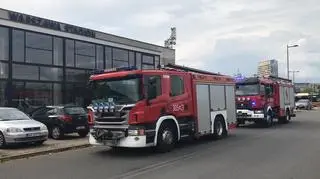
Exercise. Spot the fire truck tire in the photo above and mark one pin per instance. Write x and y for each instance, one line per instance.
(219, 128)
(167, 137)
(285, 119)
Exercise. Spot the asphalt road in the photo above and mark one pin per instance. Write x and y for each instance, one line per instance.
(288, 151)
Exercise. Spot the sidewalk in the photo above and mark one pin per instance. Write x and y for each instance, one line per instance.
(50, 146)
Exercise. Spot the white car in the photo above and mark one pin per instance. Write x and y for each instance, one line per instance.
(17, 127)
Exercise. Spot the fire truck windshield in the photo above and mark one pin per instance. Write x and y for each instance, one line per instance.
(120, 90)
(247, 89)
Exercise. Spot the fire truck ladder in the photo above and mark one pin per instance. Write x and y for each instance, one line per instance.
(171, 66)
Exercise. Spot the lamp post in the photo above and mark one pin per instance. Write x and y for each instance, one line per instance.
(293, 74)
(289, 46)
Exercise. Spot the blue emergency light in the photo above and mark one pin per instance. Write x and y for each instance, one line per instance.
(100, 71)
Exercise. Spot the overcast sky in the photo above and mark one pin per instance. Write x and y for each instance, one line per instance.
(217, 35)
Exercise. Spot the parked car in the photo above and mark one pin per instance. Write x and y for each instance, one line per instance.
(62, 120)
(18, 127)
(304, 104)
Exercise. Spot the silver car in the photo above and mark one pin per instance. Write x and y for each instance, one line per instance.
(17, 127)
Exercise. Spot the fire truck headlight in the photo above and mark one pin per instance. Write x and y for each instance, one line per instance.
(136, 132)
(243, 99)
(248, 99)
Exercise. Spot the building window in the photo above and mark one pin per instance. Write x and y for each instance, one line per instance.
(38, 56)
(76, 94)
(57, 94)
(3, 70)
(85, 62)
(156, 61)
(132, 61)
(38, 48)
(100, 62)
(38, 94)
(25, 72)
(3, 95)
(75, 75)
(4, 43)
(117, 63)
(108, 57)
(18, 46)
(70, 53)
(147, 67)
(138, 60)
(177, 85)
(147, 59)
(120, 54)
(58, 51)
(38, 41)
(85, 55)
(30, 95)
(51, 74)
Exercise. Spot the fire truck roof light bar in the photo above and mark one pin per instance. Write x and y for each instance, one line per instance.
(96, 72)
(188, 69)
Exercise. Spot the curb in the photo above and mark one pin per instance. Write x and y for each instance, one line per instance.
(33, 154)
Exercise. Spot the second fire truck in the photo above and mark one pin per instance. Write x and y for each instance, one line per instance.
(264, 99)
(144, 108)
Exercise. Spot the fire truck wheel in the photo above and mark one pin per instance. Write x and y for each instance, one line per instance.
(219, 128)
(167, 137)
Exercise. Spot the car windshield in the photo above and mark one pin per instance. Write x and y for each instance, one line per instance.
(12, 115)
(74, 110)
(247, 89)
(120, 91)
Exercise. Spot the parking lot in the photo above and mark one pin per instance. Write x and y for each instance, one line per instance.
(282, 151)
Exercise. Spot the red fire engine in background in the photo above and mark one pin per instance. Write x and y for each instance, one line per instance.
(144, 108)
(263, 99)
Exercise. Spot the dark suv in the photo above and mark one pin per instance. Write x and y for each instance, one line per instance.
(62, 120)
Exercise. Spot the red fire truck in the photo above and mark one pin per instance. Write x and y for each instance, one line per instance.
(143, 108)
(263, 99)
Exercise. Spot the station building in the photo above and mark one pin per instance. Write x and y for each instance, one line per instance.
(45, 62)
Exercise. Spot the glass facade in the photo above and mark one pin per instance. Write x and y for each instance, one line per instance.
(38, 69)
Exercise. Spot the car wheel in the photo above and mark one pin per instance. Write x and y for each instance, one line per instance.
(83, 133)
(2, 141)
(56, 133)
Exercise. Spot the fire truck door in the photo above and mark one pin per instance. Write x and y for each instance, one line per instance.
(203, 107)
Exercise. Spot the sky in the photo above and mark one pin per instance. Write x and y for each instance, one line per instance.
(223, 36)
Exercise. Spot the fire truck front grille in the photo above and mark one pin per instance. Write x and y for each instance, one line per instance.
(112, 117)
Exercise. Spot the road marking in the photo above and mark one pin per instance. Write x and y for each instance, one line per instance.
(155, 166)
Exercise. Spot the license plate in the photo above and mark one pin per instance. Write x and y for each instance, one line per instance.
(33, 134)
(80, 127)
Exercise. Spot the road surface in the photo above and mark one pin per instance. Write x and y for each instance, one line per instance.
(289, 151)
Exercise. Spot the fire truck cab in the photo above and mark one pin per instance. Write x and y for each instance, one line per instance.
(264, 99)
(144, 108)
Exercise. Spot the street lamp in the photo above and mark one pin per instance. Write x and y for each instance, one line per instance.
(289, 46)
(293, 74)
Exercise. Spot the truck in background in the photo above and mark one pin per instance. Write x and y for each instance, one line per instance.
(263, 99)
(157, 108)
